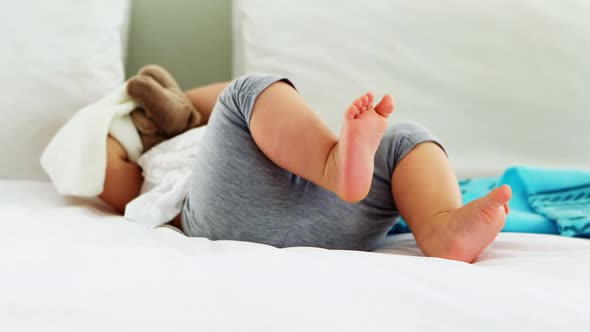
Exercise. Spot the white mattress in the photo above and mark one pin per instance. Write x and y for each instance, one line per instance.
(71, 265)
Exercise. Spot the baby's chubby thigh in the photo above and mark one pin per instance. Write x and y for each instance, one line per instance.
(236, 192)
(326, 221)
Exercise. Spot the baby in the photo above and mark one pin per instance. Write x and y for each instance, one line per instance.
(271, 172)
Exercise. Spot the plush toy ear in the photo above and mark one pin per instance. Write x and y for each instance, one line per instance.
(165, 111)
(194, 120)
(160, 75)
(145, 90)
(169, 109)
(165, 79)
(143, 124)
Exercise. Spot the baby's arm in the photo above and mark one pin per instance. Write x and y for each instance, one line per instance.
(123, 178)
(205, 97)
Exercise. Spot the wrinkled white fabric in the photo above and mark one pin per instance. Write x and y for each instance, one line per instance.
(166, 170)
(76, 157)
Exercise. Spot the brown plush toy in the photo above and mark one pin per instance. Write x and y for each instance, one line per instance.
(165, 111)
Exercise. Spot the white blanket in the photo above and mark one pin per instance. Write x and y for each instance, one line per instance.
(166, 171)
(75, 159)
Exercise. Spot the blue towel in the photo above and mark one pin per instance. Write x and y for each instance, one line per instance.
(547, 201)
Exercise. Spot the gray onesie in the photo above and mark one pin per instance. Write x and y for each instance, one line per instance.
(237, 193)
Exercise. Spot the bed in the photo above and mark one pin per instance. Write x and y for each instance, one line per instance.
(71, 264)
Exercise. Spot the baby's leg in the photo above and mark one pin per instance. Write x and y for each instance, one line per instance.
(427, 196)
(291, 135)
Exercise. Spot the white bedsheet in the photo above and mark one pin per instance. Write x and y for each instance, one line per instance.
(71, 265)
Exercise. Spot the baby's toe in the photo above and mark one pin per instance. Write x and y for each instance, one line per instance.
(358, 103)
(365, 100)
(371, 97)
(351, 112)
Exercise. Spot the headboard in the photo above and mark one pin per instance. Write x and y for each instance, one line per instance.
(192, 39)
(501, 82)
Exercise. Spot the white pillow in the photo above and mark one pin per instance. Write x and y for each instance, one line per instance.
(56, 57)
(501, 82)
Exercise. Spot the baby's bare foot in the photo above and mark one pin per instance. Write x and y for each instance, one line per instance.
(472, 227)
(354, 155)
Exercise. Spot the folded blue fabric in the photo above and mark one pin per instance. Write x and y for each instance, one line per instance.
(548, 201)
